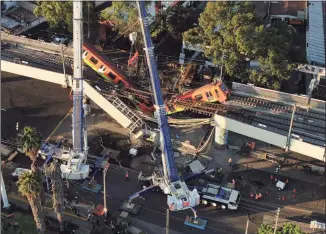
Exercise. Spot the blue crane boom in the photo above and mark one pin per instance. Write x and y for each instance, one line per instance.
(165, 136)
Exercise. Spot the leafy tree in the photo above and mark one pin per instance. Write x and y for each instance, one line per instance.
(224, 34)
(265, 229)
(291, 228)
(123, 14)
(29, 140)
(274, 61)
(287, 228)
(54, 173)
(30, 185)
(228, 34)
(59, 14)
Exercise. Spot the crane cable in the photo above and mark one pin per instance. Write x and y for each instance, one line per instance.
(199, 150)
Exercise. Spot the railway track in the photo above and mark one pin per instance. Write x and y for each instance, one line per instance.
(277, 108)
(310, 125)
(277, 124)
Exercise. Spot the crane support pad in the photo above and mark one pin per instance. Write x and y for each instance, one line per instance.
(196, 223)
(93, 186)
(129, 207)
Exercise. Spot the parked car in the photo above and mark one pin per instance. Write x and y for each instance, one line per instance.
(61, 40)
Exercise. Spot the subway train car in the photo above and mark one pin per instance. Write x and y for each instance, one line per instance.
(110, 72)
(214, 92)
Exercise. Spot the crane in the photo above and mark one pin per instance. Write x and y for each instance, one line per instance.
(76, 167)
(179, 197)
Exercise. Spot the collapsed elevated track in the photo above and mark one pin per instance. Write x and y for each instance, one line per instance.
(273, 117)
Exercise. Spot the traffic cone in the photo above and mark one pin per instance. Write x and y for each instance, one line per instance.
(283, 198)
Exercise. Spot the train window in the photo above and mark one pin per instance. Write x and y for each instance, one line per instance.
(111, 75)
(199, 97)
(223, 87)
(209, 95)
(103, 68)
(94, 60)
(85, 53)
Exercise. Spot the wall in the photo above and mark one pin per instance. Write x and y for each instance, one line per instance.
(309, 150)
(27, 5)
(36, 45)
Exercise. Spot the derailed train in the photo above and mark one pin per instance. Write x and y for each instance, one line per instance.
(213, 92)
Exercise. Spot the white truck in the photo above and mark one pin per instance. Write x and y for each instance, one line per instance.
(216, 195)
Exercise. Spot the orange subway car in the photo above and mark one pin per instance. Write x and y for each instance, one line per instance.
(214, 92)
(104, 68)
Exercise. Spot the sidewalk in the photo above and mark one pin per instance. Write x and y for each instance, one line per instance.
(150, 228)
(80, 221)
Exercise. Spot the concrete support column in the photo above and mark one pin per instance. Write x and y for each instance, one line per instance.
(221, 137)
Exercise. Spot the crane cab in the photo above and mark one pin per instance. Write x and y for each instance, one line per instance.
(180, 197)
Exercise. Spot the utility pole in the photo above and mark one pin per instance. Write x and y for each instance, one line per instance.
(167, 224)
(4, 194)
(88, 32)
(288, 141)
(247, 226)
(104, 188)
(221, 74)
(276, 222)
(63, 64)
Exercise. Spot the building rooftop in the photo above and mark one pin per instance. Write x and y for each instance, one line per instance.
(316, 33)
(290, 9)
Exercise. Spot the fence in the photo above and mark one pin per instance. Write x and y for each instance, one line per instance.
(276, 95)
(37, 44)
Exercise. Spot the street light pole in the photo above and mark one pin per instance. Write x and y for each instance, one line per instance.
(88, 32)
(247, 226)
(167, 224)
(104, 188)
(288, 140)
(276, 222)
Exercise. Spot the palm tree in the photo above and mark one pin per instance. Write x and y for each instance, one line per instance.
(53, 171)
(29, 141)
(30, 185)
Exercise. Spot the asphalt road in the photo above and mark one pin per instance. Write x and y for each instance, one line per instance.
(154, 207)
